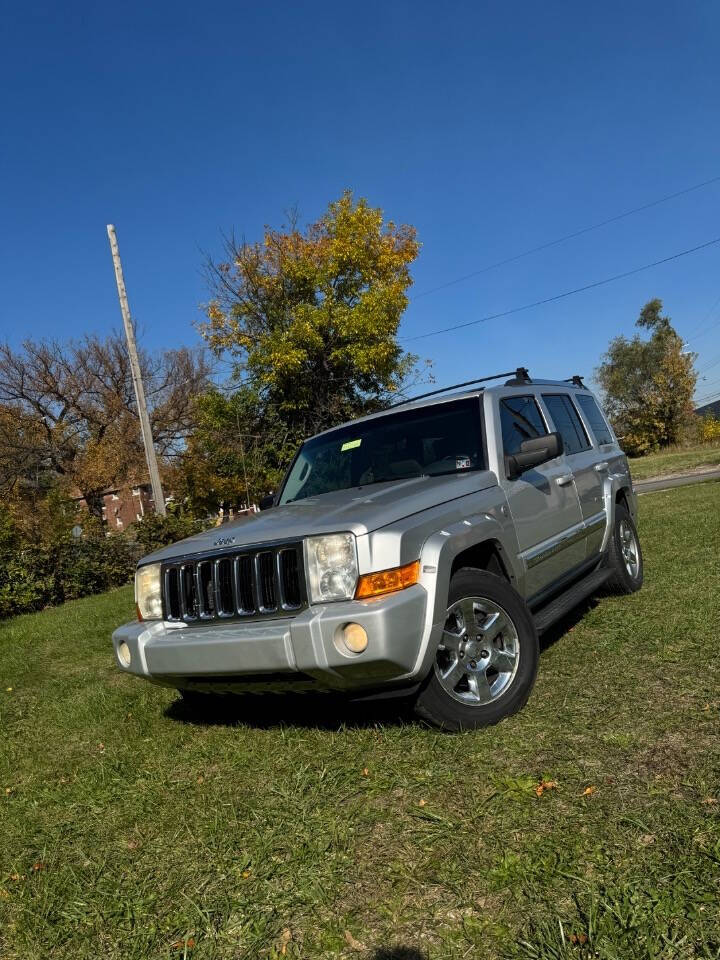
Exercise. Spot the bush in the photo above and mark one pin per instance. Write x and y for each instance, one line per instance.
(33, 577)
(710, 429)
(153, 531)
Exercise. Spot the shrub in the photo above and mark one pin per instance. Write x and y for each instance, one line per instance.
(32, 576)
(153, 531)
(710, 429)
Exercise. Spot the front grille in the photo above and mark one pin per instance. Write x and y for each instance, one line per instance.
(260, 583)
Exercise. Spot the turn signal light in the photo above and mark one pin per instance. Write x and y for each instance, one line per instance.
(387, 581)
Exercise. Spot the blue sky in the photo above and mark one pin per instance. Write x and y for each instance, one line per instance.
(490, 127)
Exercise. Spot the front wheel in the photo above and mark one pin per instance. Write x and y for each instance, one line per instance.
(625, 557)
(487, 658)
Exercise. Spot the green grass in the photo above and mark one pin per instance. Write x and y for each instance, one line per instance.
(129, 828)
(675, 460)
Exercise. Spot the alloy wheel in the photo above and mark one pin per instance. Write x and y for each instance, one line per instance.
(479, 652)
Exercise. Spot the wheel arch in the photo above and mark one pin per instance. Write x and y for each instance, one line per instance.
(486, 555)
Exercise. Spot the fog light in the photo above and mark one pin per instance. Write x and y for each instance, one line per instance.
(123, 652)
(354, 637)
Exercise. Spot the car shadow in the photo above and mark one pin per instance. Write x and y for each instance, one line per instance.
(397, 953)
(311, 711)
(567, 623)
(327, 711)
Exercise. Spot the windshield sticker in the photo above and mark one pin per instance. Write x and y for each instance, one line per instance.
(462, 463)
(350, 445)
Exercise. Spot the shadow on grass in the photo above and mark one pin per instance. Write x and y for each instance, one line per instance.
(567, 623)
(397, 953)
(327, 711)
(311, 710)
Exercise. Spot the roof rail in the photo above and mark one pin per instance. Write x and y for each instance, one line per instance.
(520, 374)
(576, 379)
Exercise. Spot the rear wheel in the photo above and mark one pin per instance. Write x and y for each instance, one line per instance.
(486, 661)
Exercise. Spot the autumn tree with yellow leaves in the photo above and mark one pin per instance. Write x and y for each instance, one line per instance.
(309, 319)
(648, 384)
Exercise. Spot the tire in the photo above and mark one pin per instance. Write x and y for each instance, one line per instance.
(627, 576)
(478, 682)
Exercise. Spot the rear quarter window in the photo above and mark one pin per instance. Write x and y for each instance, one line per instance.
(594, 416)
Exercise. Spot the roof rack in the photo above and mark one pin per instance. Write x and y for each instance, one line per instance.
(576, 379)
(521, 375)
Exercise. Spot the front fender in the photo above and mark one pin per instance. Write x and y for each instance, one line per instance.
(438, 555)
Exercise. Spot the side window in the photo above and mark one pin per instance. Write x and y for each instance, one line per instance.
(594, 416)
(520, 419)
(567, 422)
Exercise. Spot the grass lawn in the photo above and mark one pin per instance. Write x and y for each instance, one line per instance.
(675, 460)
(131, 829)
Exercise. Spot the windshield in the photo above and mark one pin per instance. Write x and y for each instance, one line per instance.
(429, 441)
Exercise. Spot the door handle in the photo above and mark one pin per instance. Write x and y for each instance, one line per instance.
(564, 480)
(601, 467)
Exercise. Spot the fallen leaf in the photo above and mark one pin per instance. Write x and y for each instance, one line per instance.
(4, 893)
(545, 785)
(646, 839)
(285, 938)
(365, 772)
(588, 791)
(578, 938)
(201, 779)
(353, 943)
(421, 803)
(37, 867)
(16, 876)
(709, 801)
(133, 844)
(101, 747)
(9, 790)
(183, 944)
(246, 874)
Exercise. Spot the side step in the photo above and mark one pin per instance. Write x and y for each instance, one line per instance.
(560, 606)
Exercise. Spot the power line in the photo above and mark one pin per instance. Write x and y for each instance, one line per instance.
(708, 397)
(569, 236)
(698, 335)
(567, 293)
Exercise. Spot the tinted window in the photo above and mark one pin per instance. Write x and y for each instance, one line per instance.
(520, 419)
(594, 417)
(567, 422)
(439, 439)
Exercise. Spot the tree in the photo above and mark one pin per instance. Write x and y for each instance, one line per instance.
(233, 453)
(67, 413)
(648, 385)
(310, 318)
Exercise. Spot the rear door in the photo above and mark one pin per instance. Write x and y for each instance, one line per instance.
(543, 502)
(585, 464)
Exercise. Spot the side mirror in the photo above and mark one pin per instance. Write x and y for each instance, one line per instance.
(534, 452)
(267, 502)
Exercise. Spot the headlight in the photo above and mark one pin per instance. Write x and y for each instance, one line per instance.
(332, 567)
(148, 598)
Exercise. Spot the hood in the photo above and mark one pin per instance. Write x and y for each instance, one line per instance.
(359, 510)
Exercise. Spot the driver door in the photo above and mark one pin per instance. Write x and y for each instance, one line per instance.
(543, 501)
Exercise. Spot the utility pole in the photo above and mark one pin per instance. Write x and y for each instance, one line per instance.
(150, 456)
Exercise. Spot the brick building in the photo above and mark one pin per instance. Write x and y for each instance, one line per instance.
(123, 506)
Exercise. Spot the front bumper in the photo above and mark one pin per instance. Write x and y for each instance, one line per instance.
(298, 653)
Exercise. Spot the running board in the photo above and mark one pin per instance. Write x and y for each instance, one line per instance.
(562, 605)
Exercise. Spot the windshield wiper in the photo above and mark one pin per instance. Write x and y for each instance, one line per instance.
(412, 476)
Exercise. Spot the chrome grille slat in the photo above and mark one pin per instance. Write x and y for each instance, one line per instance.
(240, 584)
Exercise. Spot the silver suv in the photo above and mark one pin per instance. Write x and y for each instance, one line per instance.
(422, 549)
